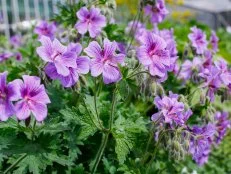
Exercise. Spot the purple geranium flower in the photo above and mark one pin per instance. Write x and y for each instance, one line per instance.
(198, 40)
(105, 60)
(55, 52)
(32, 98)
(171, 110)
(83, 64)
(212, 81)
(7, 95)
(225, 73)
(168, 36)
(153, 54)
(46, 29)
(222, 125)
(157, 13)
(201, 141)
(5, 56)
(208, 59)
(16, 41)
(189, 67)
(90, 20)
(214, 41)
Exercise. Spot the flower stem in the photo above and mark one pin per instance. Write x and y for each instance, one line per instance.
(95, 104)
(141, 72)
(105, 135)
(14, 164)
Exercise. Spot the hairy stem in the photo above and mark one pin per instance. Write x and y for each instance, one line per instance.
(95, 104)
(141, 72)
(14, 164)
(105, 135)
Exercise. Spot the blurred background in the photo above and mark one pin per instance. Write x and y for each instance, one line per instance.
(16, 15)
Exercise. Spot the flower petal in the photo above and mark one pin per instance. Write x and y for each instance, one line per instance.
(39, 110)
(83, 64)
(96, 67)
(22, 110)
(94, 50)
(111, 74)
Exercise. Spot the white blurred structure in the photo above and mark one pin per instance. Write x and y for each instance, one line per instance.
(21, 14)
(215, 13)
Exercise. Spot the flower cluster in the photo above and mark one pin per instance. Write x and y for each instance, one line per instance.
(29, 97)
(171, 111)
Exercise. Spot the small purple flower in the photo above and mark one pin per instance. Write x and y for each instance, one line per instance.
(208, 59)
(58, 54)
(214, 41)
(153, 54)
(201, 141)
(16, 41)
(32, 98)
(5, 56)
(82, 62)
(198, 40)
(222, 125)
(46, 29)
(105, 60)
(18, 56)
(212, 81)
(189, 67)
(7, 95)
(225, 74)
(90, 20)
(171, 110)
(157, 13)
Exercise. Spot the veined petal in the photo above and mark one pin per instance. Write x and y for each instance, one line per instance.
(111, 74)
(39, 110)
(83, 64)
(109, 48)
(96, 67)
(94, 50)
(82, 27)
(22, 110)
(62, 69)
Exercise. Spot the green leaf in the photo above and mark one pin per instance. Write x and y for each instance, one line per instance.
(85, 116)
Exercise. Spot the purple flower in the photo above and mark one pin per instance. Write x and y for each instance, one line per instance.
(153, 54)
(214, 41)
(157, 13)
(16, 41)
(212, 81)
(5, 56)
(222, 125)
(168, 36)
(171, 110)
(189, 67)
(198, 40)
(225, 74)
(7, 95)
(18, 56)
(58, 54)
(90, 20)
(105, 60)
(82, 62)
(32, 98)
(200, 143)
(46, 29)
(208, 59)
